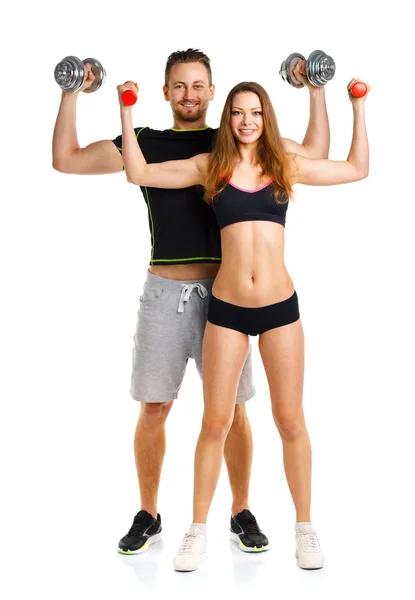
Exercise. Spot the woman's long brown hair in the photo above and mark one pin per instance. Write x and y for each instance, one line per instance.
(271, 156)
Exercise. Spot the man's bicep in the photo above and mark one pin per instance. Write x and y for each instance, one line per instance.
(98, 158)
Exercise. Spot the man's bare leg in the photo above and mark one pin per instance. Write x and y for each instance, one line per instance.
(149, 451)
(238, 458)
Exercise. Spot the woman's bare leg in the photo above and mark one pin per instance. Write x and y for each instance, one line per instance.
(224, 354)
(282, 352)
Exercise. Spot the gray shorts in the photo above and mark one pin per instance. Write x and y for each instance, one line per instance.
(170, 326)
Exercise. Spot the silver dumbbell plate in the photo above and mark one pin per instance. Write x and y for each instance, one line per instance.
(320, 68)
(99, 72)
(287, 68)
(70, 74)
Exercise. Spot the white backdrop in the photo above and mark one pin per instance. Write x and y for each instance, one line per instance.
(74, 255)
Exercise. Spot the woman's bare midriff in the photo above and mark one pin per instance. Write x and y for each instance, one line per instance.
(253, 273)
(186, 272)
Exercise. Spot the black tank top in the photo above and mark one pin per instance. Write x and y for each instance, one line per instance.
(233, 205)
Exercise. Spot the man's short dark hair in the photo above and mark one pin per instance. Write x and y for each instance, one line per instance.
(187, 56)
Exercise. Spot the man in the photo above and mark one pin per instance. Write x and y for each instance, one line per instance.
(185, 258)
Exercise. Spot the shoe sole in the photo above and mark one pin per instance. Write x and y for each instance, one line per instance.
(308, 567)
(235, 538)
(191, 570)
(154, 539)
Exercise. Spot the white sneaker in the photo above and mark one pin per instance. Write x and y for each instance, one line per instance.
(192, 552)
(308, 553)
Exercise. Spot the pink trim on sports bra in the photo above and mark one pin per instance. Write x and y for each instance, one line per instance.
(250, 191)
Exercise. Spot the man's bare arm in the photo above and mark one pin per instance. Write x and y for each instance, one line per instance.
(67, 155)
(316, 142)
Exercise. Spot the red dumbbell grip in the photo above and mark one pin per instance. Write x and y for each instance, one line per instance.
(359, 89)
(129, 97)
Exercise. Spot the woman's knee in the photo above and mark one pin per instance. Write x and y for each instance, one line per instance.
(216, 428)
(290, 427)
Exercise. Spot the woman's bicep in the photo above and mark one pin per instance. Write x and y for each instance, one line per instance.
(172, 174)
(323, 171)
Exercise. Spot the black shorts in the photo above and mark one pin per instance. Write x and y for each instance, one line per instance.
(253, 321)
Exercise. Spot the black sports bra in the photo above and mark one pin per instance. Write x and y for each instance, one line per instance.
(234, 205)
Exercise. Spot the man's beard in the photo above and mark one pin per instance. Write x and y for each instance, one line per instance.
(191, 116)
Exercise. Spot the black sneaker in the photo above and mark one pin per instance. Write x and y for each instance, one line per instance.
(145, 530)
(246, 533)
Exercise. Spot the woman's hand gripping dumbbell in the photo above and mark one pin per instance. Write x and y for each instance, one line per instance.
(357, 89)
(127, 93)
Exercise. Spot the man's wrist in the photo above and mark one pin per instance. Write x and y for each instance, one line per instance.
(69, 97)
(316, 92)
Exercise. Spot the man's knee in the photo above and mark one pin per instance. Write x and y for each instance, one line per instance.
(240, 417)
(154, 414)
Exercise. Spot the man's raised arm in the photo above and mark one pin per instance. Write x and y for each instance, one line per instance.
(67, 156)
(316, 141)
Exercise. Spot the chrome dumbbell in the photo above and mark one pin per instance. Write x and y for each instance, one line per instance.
(320, 69)
(70, 74)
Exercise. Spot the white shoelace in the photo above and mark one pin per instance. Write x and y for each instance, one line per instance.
(309, 541)
(189, 542)
(187, 289)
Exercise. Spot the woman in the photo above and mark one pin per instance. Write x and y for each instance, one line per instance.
(248, 179)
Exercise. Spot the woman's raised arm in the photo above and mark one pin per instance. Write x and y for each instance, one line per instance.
(330, 172)
(170, 174)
